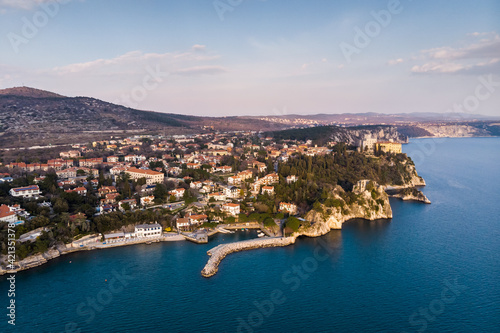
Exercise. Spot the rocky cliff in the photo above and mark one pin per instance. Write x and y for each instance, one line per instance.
(370, 204)
(409, 193)
(354, 135)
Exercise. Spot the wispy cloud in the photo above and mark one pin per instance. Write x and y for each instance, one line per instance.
(192, 62)
(477, 57)
(395, 61)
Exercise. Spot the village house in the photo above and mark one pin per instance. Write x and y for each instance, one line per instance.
(261, 167)
(7, 215)
(197, 219)
(90, 162)
(196, 185)
(269, 190)
(26, 192)
(240, 177)
(147, 200)
(79, 190)
(112, 159)
(135, 158)
(178, 193)
(106, 189)
(232, 192)
(70, 154)
(131, 202)
(289, 208)
(223, 169)
(110, 198)
(231, 209)
(291, 179)
(217, 196)
(193, 165)
(183, 223)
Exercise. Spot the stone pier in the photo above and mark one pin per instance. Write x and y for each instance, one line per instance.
(221, 251)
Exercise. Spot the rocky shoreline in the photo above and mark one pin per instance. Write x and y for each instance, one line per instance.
(408, 194)
(221, 251)
(62, 249)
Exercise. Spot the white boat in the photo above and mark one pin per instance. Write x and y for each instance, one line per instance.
(261, 234)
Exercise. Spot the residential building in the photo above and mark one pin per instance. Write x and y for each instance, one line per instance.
(112, 159)
(232, 192)
(231, 209)
(131, 202)
(26, 192)
(183, 223)
(80, 190)
(148, 200)
(110, 198)
(269, 190)
(152, 177)
(198, 219)
(178, 193)
(217, 196)
(7, 215)
(291, 179)
(70, 154)
(148, 230)
(223, 169)
(106, 190)
(289, 208)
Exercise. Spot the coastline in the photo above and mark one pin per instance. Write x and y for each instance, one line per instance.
(319, 225)
(63, 249)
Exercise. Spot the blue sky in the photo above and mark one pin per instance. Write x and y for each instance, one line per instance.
(257, 57)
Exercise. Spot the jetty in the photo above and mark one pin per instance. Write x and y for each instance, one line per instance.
(221, 251)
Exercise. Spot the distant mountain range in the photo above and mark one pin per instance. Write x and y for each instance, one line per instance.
(30, 116)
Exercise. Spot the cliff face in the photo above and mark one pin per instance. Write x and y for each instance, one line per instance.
(353, 136)
(369, 205)
(413, 179)
(409, 193)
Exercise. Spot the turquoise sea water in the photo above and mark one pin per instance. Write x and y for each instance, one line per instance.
(432, 268)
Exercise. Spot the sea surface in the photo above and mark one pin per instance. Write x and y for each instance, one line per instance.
(432, 268)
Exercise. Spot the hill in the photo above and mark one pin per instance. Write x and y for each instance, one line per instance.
(29, 92)
(30, 116)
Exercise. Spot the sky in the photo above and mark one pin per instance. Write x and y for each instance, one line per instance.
(258, 57)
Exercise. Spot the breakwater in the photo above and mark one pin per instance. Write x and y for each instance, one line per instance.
(221, 251)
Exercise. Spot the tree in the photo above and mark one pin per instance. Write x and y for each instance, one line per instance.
(293, 223)
(160, 193)
(60, 206)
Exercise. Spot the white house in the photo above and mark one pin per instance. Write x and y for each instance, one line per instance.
(7, 215)
(26, 192)
(177, 193)
(231, 209)
(289, 208)
(231, 191)
(291, 179)
(148, 230)
(148, 200)
(131, 202)
(269, 190)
